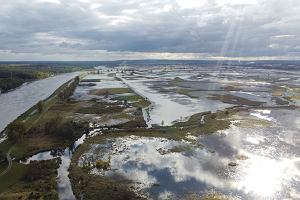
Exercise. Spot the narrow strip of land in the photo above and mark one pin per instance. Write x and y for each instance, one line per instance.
(8, 158)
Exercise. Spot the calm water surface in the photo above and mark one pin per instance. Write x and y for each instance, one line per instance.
(16, 102)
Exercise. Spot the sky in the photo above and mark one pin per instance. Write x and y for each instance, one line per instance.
(149, 29)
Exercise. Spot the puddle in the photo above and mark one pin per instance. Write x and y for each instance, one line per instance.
(48, 155)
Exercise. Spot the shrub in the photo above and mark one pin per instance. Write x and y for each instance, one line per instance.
(16, 131)
(40, 106)
(102, 164)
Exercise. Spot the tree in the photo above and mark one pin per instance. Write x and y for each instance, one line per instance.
(16, 131)
(2, 157)
(40, 106)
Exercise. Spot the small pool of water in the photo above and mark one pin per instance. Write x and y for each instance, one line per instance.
(47, 155)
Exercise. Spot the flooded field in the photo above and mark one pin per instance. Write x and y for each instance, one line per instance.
(182, 133)
(256, 157)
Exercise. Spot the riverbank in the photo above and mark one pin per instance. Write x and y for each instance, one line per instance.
(15, 103)
(60, 123)
(34, 138)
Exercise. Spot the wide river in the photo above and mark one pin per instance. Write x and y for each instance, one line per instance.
(16, 102)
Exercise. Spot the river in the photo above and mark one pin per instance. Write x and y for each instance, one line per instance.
(18, 101)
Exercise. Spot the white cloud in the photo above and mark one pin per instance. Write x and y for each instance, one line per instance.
(49, 1)
(192, 4)
(162, 29)
(237, 2)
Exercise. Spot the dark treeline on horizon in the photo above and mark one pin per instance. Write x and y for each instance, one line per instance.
(272, 64)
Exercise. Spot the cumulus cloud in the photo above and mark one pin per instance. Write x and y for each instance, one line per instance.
(133, 29)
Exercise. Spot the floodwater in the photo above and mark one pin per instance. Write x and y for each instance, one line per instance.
(258, 157)
(266, 161)
(168, 108)
(16, 102)
(47, 155)
(64, 187)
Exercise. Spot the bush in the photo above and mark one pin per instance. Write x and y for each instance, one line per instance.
(16, 131)
(69, 130)
(102, 164)
(40, 106)
(53, 124)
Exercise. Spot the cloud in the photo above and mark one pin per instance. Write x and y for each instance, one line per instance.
(80, 29)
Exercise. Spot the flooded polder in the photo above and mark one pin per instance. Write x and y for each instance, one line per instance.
(177, 133)
(256, 157)
(240, 162)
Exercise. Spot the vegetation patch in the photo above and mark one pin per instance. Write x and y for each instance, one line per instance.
(180, 148)
(207, 196)
(135, 100)
(13, 76)
(92, 187)
(176, 80)
(34, 181)
(101, 108)
(244, 120)
(14, 175)
(90, 80)
(103, 164)
(110, 91)
(278, 91)
(280, 101)
(231, 99)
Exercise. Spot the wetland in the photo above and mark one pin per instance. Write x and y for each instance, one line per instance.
(153, 132)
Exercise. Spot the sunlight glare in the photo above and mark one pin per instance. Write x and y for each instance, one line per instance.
(265, 176)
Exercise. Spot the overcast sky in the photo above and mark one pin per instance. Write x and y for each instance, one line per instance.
(148, 29)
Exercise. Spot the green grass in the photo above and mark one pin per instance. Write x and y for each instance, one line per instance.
(99, 108)
(34, 181)
(30, 118)
(5, 145)
(32, 115)
(13, 176)
(19, 150)
(3, 166)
